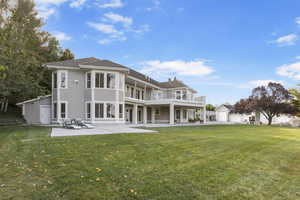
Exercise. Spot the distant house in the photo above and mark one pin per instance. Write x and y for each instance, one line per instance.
(225, 113)
(102, 91)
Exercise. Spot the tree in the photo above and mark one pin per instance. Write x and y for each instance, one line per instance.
(210, 107)
(296, 99)
(24, 47)
(271, 100)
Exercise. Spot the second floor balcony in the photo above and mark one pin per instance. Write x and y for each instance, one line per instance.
(162, 97)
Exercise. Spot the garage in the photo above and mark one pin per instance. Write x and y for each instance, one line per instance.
(222, 112)
(37, 111)
(222, 116)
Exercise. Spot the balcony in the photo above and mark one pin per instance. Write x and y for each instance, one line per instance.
(167, 98)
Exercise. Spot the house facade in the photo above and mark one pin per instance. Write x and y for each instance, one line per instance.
(101, 91)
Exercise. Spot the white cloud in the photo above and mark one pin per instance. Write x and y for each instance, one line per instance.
(176, 67)
(297, 57)
(290, 70)
(47, 8)
(297, 20)
(115, 18)
(77, 3)
(257, 83)
(111, 33)
(111, 4)
(156, 5)
(45, 12)
(287, 40)
(105, 28)
(60, 36)
(57, 2)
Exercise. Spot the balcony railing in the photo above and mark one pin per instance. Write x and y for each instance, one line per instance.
(167, 96)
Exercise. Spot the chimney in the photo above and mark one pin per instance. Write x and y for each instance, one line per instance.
(170, 80)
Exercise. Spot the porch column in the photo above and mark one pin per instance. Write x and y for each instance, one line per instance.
(204, 114)
(145, 114)
(171, 113)
(152, 115)
(134, 114)
(181, 115)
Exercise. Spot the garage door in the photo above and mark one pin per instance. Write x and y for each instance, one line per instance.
(222, 117)
(45, 114)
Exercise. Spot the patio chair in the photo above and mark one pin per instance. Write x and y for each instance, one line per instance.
(69, 125)
(83, 124)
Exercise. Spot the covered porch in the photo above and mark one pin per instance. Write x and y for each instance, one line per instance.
(171, 113)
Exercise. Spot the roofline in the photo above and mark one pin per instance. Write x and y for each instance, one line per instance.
(104, 67)
(61, 67)
(32, 100)
(137, 79)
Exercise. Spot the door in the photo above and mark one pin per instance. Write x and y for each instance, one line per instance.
(129, 115)
(222, 116)
(45, 114)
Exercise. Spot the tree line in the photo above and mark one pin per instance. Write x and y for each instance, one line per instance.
(24, 48)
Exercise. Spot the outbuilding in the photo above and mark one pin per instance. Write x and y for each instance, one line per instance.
(37, 111)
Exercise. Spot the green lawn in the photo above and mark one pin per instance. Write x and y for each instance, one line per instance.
(213, 162)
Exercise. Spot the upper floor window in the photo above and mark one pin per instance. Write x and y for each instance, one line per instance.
(99, 80)
(131, 92)
(111, 79)
(63, 79)
(184, 95)
(178, 94)
(88, 80)
(137, 94)
(54, 80)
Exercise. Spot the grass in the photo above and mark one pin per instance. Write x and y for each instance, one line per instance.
(213, 162)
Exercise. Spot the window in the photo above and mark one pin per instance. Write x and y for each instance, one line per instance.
(63, 110)
(143, 95)
(178, 94)
(55, 80)
(54, 110)
(157, 111)
(121, 81)
(99, 110)
(88, 80)
(63, 79)
(184, 95)
(120, 110)
(137, 94)
(88, 110)
(111, 79)
(99, 80)
(110, 110)
(132, 92)
(184, 114)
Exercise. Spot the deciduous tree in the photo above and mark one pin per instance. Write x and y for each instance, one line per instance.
(271, 100)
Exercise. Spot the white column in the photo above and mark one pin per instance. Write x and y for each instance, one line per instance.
(152, 115)
(171, 113)
(93, 97)
(58, 106)
(134, 114)
(181, 115)
(145, 114)
(204, 114)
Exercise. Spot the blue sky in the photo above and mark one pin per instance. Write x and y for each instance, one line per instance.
(222, 49)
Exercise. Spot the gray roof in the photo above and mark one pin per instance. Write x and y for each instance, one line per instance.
(107, 63)
(86, 61)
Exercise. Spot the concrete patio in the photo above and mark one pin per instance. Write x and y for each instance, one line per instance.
(100, 129)
(105, 129)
